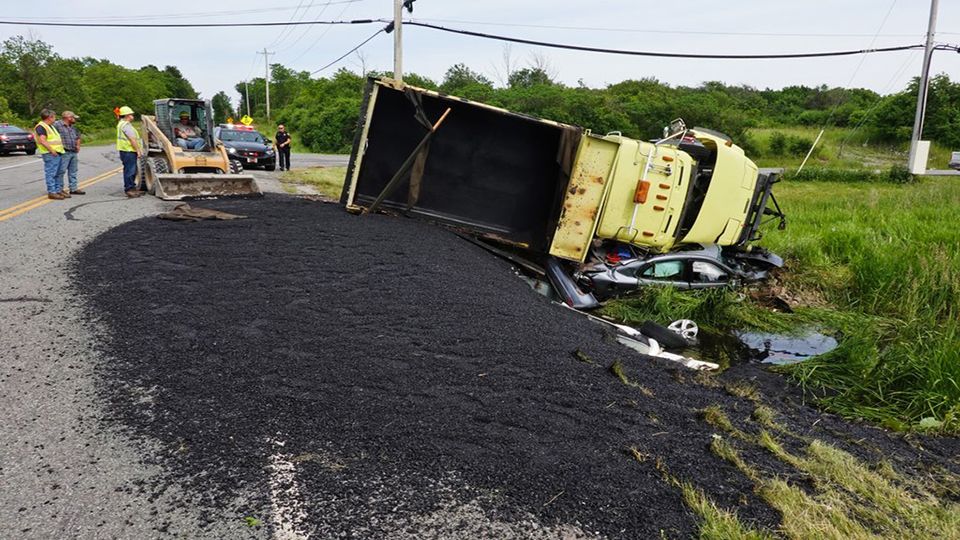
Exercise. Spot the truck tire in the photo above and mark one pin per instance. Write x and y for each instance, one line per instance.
(157, 165)
(666, 337)
(236, 167)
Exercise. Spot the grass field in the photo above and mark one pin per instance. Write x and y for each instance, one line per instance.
(877, 264)
(839, 148)
(328, 181)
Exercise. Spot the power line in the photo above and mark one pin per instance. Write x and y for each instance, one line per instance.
(658, 31)
(322, 34)
(662, 54)
(286, 30)
(182, 25)
(177, 15)
(351, 51)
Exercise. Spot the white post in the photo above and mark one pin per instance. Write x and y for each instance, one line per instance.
(810, 152)
(398, 40)
(924, 87)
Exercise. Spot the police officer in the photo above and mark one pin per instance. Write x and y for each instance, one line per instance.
(131, 149)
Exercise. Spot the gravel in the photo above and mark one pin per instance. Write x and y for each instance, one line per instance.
(378, 377)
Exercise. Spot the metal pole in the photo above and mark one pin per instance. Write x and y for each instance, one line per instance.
(398, 40)
(924, 83)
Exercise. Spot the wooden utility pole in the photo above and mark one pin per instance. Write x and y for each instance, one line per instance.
(398, 40)
(924, 85)
(266, 76)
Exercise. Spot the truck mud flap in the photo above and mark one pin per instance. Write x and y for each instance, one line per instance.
(175, 187)
(567, 288)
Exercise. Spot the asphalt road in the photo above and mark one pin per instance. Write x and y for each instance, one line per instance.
(61, 474)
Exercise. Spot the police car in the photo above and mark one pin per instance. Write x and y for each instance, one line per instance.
(247, 145)
(14, 139)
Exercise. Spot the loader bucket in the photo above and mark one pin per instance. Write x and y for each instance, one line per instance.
(174, 187)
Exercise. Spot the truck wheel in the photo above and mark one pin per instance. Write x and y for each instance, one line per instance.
(236, 167)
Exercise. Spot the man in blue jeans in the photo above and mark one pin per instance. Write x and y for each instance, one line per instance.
(70, 138)
(51, 150)
(131, 148)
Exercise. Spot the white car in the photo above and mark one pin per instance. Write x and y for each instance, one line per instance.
(954, 161)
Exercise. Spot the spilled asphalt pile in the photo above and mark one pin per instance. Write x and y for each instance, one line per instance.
(371, 376)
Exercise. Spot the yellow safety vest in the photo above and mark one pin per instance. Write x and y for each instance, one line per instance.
(53, 139)
(123, 143)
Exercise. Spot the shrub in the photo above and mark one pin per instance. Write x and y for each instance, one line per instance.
(778, 143)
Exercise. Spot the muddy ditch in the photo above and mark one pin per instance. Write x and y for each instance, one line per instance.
(401, 372)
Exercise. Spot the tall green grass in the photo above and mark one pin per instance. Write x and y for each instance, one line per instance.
(883, 261)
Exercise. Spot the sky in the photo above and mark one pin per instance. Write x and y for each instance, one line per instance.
(217, 59)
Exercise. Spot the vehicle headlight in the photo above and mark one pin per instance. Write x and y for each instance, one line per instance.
(232, 150)
(269, 150)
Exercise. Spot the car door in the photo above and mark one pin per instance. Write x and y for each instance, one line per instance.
(669, 272)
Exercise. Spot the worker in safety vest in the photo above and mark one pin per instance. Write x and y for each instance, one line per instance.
(131, 149)
(51, 150)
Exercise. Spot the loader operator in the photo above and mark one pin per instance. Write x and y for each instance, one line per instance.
(131, 149)
(189, 137)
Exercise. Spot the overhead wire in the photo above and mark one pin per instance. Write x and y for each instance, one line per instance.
(189, 15)
(287, 29)
(307, 30)
(321, 36)
(651, 30)
(351, 51)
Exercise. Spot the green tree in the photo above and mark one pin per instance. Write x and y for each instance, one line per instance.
(28, 82)
(222, 108)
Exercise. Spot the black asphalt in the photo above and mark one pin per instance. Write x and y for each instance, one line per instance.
(406, 367)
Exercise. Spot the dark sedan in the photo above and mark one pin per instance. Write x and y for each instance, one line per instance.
(620, 269)
(14, 139)
(246, 145)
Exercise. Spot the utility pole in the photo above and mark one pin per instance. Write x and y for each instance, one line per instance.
(924, 87)
(246, 94)
(398, 40)
(266, 76)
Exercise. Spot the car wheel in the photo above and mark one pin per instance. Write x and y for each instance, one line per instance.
(31, 152)
(235, 167)
(270, 167)
(666, 337)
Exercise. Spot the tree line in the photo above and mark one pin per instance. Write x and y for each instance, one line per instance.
(323, 111)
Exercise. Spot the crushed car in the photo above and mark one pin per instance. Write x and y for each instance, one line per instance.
(618, 268)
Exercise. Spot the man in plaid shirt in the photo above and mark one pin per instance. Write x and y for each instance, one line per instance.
(71, 147)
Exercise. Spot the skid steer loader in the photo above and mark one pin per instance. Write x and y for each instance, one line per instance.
(176, 168)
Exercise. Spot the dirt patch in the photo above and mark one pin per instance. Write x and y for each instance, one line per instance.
(418, 375)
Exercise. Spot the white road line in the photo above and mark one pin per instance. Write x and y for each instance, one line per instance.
(285, 500)
(21, 164)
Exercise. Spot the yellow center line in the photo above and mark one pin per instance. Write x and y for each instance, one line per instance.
(25, 207)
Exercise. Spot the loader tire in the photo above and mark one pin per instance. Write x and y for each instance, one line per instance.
(157, 166)
(236, 167)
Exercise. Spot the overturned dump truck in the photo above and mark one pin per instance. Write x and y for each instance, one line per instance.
(547, 187)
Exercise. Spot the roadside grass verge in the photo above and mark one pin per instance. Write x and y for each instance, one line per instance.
(879, 266)
(828, 492)
(859, 150)
(328, 181)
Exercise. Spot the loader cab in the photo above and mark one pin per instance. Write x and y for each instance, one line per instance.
(197, 113)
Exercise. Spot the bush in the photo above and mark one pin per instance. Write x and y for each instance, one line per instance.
(799, 146)
(778, 143)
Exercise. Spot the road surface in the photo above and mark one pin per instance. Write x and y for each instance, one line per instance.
(61, 475)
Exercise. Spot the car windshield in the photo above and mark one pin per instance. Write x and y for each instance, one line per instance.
(241, 136)
(10, 129)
